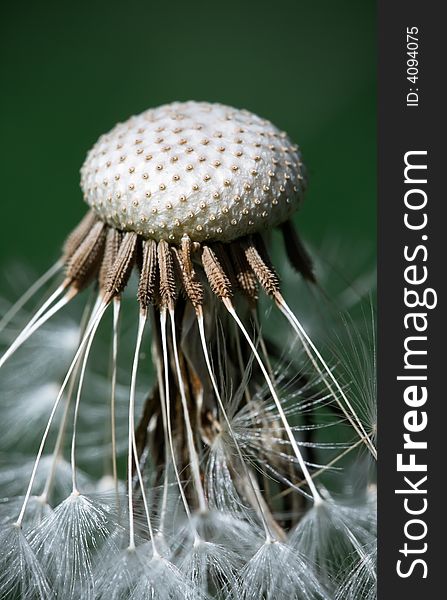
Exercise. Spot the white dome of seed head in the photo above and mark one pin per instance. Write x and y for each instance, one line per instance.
(206, 170)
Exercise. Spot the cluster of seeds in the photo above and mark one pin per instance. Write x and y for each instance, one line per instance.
(205, 170)
(96, 251)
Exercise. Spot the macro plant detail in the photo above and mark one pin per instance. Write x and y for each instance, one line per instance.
(215, 480)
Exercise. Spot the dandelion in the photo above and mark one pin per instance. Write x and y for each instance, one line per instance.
(223, 495)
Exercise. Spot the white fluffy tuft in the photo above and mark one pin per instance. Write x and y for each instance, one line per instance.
(277, 573)
(65, 542)
(21, 575)
(333, 536)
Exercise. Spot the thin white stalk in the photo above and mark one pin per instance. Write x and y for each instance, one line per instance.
(86, 316)
(306, 341)
(132, 449)
(78, 395)
(241, 361)
(116, 318)
(133, 442)
(37, 321)
(168, 410)
(200, 322)
(33, 289)
(79, 351)
(193, 456)
(164, 500)
(316, 496)
(60, 438)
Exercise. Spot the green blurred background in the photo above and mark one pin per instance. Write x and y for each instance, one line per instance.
(71, 70)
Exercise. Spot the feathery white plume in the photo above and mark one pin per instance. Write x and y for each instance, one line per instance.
(21, 575)
(65, 542)
(276, 572)
(331, 535)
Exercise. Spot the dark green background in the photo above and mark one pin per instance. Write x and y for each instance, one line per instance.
(70, 70)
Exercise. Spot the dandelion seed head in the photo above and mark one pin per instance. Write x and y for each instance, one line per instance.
(206, 170)
(218, 494)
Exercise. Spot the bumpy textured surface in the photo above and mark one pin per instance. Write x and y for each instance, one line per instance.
(206, 170)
